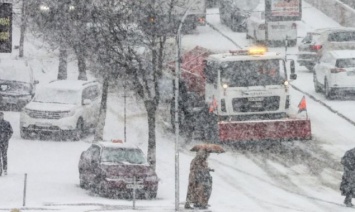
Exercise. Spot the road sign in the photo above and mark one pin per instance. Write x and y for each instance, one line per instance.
(5, 27)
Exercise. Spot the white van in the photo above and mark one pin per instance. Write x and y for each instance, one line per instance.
(278, 31)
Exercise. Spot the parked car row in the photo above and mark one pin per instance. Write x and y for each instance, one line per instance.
(330, 54)
(69, 108)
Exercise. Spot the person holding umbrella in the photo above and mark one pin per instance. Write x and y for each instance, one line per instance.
(200, 181)
(347, 186)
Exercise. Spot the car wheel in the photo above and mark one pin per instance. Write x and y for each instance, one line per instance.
(327, 90)
(78, 132)
(317, 86)
(24, 134)
(150, 194)
(310, 68)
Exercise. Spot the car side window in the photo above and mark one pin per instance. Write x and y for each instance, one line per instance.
(91, 93)
(307, 39)
(94, 92)
(95, 153)
(86, 93)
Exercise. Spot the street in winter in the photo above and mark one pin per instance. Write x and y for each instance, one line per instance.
(89, 92)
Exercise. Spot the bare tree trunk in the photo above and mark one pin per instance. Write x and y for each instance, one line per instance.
(151, 110)
(63, 56)
(80, 54)
(22, 28)
(99, 131)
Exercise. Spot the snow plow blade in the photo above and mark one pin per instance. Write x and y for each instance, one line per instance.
(281, 129)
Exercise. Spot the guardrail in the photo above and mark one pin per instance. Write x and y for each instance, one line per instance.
(337, 10)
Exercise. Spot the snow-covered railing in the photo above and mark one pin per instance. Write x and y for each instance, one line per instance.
(337, 10)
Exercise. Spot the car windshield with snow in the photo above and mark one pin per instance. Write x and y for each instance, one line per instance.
(63, 96)
(115, 169)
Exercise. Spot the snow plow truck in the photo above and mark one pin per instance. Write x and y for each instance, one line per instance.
(238, 96)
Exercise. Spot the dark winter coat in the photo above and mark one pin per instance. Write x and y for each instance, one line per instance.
(348, 180)
(5, 132)
(200, 181)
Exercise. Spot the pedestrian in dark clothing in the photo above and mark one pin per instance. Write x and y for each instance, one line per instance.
(5, 135)
(347, 186)
(200, 182)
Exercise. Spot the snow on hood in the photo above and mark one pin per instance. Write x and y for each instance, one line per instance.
(49, 106)
(128, 170)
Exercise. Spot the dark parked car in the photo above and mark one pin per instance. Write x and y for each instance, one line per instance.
(17, 84)
(110, 168)
(233, 16)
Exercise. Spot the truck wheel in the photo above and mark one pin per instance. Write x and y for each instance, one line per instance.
(78, 132)
(292, 42)
(328, 91)
(24, 134)
(317, 87)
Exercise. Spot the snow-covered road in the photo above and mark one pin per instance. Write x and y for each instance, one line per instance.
(294, 176)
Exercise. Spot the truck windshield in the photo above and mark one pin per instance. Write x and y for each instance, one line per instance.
(252, 73)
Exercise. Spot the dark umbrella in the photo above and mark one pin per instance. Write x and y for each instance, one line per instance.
(211, 148)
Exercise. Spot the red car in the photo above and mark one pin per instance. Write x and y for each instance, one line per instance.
(110, 168)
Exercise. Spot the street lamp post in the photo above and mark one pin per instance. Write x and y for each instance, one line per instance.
(177, 77)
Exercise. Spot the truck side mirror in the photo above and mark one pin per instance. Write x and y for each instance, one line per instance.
(292, 67)
(293, 76)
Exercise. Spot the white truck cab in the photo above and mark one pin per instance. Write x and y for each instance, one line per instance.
(248, 83)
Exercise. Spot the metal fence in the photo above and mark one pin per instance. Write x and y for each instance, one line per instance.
(337, 10)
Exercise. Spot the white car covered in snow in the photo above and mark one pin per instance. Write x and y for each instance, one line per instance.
(65, 107)
(277, 30)
(335, 73)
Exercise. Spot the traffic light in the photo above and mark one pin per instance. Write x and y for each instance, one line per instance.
(5, 27)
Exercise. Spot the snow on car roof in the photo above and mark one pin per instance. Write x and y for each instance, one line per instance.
(15, 70)
(334, 29)
(111, 144)
(67, 84)
(234, 57)
(343, 53)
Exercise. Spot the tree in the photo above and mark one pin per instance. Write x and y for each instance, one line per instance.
(63, 25)
(132, 35)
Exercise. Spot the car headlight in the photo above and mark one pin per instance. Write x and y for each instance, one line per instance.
(151, 178)
(67, 113)
(27, 111)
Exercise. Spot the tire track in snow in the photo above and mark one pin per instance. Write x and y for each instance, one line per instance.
(233, 182)
(222, 164)
(281, 178)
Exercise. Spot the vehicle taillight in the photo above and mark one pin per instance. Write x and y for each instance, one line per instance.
(337, 70)
(262, 27)
(294, 26)
(201, 20)
(316, 47)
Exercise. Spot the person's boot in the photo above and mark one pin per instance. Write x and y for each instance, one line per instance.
(5, 172)
(347, 201)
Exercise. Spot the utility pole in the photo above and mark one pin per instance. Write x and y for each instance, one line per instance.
(22, 28)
